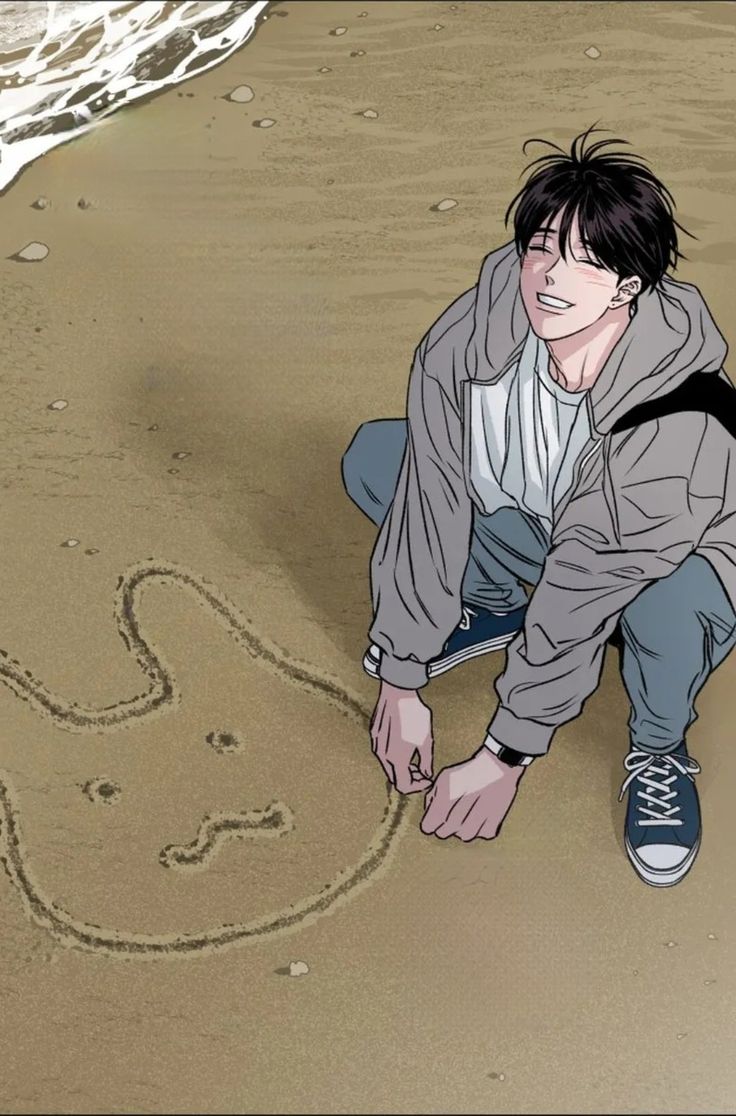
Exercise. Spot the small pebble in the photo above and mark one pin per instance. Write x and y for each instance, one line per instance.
(708, 982)
(154, 427)
(357, 53)
(330, 181)
(338, 31)
(298, 968)
(370, 113)
(324, 70)
(32, 252)
(84, 203)
(712, 938)
(453, 7)
(497, 1076)
(173, 471)
(592, 52)
(41, 203)
(682, 1035)
(446, 203)
(671, 944)
(361, 15)
(181, 455)
(438, 27)
(71, 542)
(58, 405)
(92, 550)
(266, 122)
(241, 94)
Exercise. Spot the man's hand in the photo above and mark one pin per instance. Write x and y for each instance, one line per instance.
(471, 799)
(400, 726)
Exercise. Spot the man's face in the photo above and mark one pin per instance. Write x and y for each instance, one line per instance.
(562, 297)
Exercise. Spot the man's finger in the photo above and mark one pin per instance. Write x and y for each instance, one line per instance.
(425, 752)
(386, 764)
(438, 808)
(411, 780)
(456, 816)
(474, 822)
(489, 829)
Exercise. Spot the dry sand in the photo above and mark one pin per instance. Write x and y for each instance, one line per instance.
(248, 296)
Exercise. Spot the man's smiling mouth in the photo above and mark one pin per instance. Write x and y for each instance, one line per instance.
(554, 303)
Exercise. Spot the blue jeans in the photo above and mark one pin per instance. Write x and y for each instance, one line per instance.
(676, 632)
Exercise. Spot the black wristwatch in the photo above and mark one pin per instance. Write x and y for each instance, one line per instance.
(509, 756)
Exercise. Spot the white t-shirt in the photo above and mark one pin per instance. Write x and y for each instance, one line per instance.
(526, 432)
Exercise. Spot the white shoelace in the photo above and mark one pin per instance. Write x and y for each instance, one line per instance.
(464, 624)
(656, 775)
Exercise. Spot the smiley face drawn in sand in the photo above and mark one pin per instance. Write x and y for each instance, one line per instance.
(198, 844)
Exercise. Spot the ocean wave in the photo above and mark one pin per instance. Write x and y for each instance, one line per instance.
(65, 67)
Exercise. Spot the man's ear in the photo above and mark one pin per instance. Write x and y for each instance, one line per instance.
(626, 291)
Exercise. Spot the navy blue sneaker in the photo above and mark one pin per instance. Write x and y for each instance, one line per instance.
(479, 632)
(662, 829)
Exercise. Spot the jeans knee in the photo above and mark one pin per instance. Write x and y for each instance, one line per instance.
(672, 616)
(653, 616)
(352, 461)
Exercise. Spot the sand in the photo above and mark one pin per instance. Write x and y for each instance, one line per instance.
(189, 802)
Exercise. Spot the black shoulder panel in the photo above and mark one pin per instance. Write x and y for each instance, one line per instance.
(701, 391)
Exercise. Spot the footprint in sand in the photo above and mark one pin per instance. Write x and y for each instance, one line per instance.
(160, 696)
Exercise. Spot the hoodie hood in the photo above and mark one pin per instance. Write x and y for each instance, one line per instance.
(671, 335)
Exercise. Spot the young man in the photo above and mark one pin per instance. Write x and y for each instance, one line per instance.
(521, 460)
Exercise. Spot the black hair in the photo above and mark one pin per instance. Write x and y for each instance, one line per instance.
(625, 213)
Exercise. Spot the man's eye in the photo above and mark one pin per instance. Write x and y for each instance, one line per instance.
(539, 248)
(592, 263)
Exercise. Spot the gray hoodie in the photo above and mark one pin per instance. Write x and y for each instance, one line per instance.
(640, 501)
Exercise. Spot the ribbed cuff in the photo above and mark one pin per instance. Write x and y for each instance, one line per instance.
(529, 737)
(404, 673)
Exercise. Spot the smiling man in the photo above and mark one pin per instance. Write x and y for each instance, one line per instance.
(569, 428)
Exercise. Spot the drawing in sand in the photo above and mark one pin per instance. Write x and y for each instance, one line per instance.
(162, 696)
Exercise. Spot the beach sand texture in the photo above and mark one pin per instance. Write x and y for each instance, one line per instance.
(188, 801)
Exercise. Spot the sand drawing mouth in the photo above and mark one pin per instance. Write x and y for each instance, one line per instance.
(162, 694)
(275, 821)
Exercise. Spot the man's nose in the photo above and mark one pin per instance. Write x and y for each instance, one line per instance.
(550, 273)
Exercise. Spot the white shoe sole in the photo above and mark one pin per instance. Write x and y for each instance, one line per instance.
(664, 878)
(371, 665)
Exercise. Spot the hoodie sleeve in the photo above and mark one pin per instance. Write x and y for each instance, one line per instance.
(635, 517)
(419, 559)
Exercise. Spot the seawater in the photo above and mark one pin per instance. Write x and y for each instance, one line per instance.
(65, 67)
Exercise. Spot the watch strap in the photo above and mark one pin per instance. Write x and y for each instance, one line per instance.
(507, 755)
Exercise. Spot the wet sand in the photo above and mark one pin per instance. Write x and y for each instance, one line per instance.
(185, 757)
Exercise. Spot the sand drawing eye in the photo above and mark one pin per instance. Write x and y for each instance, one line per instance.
(224, 743)
(102, 791)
